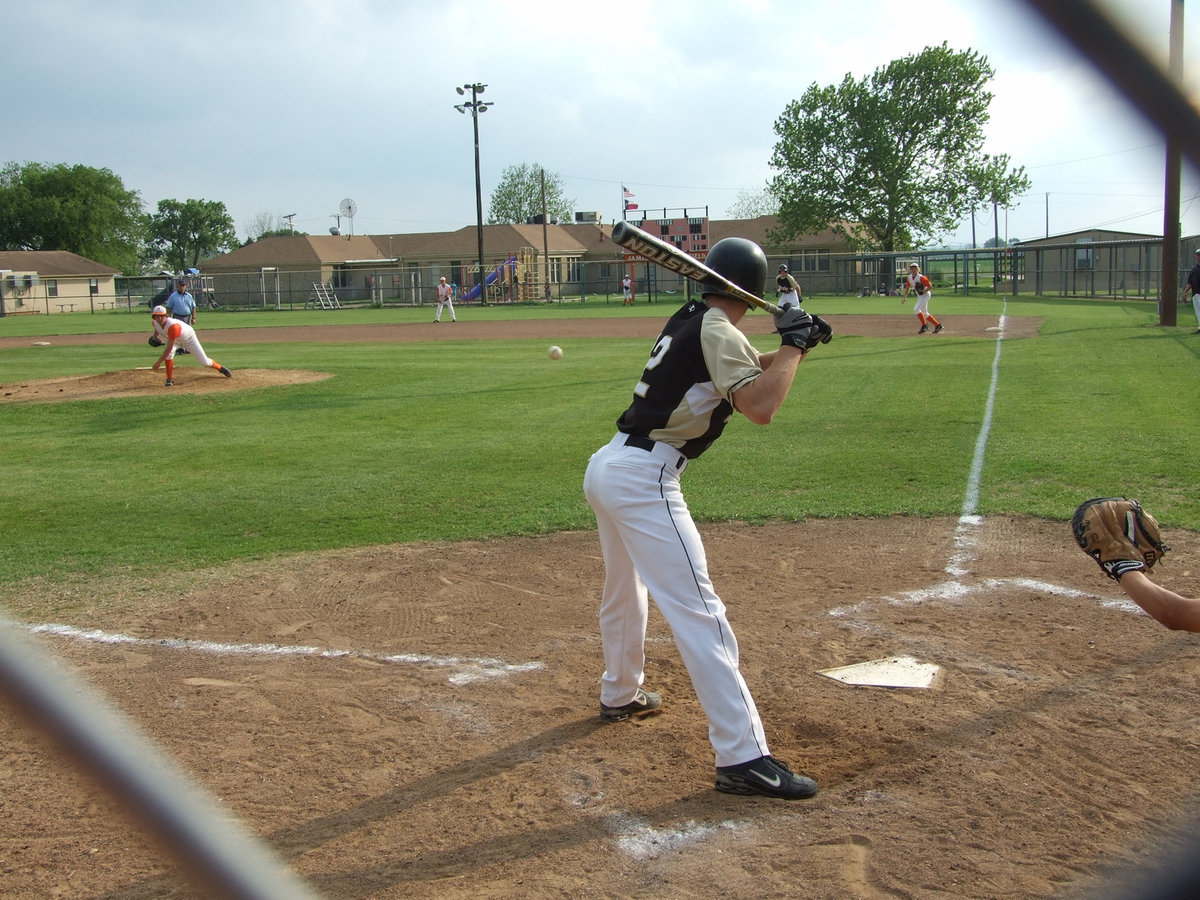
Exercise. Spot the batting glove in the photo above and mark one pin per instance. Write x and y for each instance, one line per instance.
(794, 327)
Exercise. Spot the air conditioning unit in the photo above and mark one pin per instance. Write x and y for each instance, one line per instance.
(591, 218)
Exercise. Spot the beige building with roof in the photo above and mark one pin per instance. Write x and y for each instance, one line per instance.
(54, 281)
(522, 262)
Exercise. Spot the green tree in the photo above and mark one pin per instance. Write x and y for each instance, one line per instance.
(188, 231)
(518, 196)
(76, 208)
(893, 160)
(266, 224)
(752, 204)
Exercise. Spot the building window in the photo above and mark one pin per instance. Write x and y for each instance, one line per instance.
(573, 268)
(815, 261)
(51, 287)
(1083, 255)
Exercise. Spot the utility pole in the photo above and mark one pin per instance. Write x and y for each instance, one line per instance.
(476, 106)
(1168, 291)
(545, 233)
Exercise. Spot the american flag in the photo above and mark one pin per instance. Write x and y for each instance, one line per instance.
(626, 192)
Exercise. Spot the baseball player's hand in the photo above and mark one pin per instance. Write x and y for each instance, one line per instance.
(822, 333)
(154, 341)
(794, 327)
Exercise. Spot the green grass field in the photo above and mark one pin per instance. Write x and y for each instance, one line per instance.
(469, 439)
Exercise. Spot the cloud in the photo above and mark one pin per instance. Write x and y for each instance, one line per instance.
(280, 107)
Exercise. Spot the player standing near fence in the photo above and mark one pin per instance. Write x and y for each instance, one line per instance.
(445, 295)
(923, 288)
(1193, 289)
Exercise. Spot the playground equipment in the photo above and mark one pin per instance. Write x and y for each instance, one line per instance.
(506, 274)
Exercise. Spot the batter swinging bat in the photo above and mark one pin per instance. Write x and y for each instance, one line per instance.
(671, 257)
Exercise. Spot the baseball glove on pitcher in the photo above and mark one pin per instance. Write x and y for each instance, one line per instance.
(1117, 533)
(155, 341)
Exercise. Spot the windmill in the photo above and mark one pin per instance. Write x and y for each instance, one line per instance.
(348, 209)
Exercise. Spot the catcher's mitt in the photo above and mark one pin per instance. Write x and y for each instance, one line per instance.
(1117, 533)
(155, 341)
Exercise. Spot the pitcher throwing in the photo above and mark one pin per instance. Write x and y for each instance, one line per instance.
(173, 335)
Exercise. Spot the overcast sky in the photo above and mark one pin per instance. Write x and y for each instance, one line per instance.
(291, 106)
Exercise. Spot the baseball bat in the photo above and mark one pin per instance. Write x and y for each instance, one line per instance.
(671, 257)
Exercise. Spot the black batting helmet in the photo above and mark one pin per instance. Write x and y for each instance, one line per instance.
(741, 261)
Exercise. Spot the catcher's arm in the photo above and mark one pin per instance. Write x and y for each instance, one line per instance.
(1173, 610)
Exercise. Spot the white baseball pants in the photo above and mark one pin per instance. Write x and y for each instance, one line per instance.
(191, 343)
(651, 547)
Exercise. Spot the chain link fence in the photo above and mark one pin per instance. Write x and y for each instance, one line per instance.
(1119, 269)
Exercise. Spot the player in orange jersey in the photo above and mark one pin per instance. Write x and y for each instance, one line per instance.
(174, 335)
(923, 288)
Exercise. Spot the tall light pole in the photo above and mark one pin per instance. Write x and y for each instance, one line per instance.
(476, 107)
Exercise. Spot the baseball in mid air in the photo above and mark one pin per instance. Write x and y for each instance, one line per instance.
(555, 352)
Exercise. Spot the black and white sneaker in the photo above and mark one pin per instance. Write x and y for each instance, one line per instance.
(767, 776)
(924, 328)
(225, 371)
(938, 328)
(644, 703)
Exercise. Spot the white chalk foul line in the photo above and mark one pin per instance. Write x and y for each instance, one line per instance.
(970, 525)
(971, 500)
(466, 669)
(641, 840)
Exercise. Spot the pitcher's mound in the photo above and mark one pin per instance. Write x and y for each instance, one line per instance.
(139, 382)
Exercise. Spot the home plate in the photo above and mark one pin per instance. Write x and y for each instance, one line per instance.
(894, 671)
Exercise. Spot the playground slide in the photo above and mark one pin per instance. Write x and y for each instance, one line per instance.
(491, 279)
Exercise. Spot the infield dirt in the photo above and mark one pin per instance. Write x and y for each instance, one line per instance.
(428, 725)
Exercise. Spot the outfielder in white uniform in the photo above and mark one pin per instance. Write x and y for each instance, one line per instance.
(702, 369)
(917, 282)
(445, 295)
(627, 291)
(177, 335)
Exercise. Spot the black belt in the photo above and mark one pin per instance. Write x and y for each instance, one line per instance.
(642, 443)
